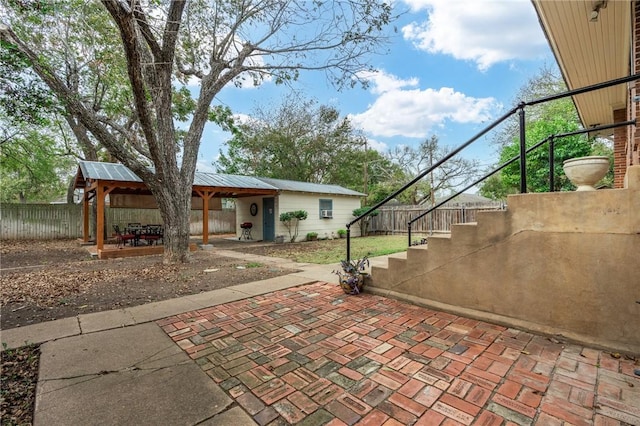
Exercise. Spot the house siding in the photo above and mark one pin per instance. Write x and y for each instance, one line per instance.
(343, 207)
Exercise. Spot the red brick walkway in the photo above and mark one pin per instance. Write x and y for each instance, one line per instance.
(312, 355)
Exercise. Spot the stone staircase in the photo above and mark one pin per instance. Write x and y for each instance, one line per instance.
(559, 263)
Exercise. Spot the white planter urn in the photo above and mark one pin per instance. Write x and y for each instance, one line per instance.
(584, 172)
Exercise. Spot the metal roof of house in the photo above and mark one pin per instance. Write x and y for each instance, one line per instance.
(296, 186)
(229, 181)
(119, 172)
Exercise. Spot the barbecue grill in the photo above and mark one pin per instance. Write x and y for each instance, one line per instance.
(246, 230)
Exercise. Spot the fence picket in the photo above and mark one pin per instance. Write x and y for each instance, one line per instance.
(64, 221)
(393, 220)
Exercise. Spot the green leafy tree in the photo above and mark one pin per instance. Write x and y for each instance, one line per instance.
(33, 167)
(542, 121)
(23, 97)
(372, 166)
(365, 221)
(538, 160)
(150, 46)
(299, 140)
(493, 188)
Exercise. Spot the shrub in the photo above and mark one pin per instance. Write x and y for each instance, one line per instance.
(364, 222)
(291, 220)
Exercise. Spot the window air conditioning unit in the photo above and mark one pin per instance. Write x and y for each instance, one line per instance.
(326, 214)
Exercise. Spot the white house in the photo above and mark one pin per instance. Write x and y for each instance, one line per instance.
(329, 208)
(259, 201)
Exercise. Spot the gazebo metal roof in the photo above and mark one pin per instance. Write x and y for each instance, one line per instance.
(117, 172)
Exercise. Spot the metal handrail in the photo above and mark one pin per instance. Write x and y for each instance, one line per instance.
(510, 161)
(523, 150)
(424, 173)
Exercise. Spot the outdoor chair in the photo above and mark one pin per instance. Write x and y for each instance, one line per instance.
(152, 233)
(121, 239)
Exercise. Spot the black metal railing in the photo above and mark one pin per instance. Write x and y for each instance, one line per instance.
(549, 139)
(522, 155)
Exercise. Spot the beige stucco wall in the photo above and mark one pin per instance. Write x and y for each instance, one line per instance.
(243, 214)
(566, 263)
(343, 207)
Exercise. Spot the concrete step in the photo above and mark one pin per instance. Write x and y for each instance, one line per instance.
(464, 233)
(417, 253)
(493, 225)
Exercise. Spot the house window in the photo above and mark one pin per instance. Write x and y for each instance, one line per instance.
(326, 209)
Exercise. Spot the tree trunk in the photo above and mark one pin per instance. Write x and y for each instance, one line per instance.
(90, 153)
(175, 208)
(71, 190)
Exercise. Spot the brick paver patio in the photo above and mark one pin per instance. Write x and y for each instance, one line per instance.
(312, 355)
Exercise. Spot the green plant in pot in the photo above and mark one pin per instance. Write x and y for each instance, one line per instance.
(352, 276)
(312, 236)
(342, 233)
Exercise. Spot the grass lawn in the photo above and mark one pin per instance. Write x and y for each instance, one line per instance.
(333, 251)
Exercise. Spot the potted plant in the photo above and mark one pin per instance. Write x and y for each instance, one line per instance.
(352, 276)
(312, 236)
(585, 172)
(342, 233)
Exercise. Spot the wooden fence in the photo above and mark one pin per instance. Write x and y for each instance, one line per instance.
(62, 221)
(393, 220)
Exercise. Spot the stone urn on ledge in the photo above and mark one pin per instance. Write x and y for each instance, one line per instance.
(585, 172)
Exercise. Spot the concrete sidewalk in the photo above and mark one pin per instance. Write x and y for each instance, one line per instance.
(272, 352)
(106, 320)
(118, 367)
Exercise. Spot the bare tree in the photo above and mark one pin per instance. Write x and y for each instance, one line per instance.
(211, 44)
(413, 161)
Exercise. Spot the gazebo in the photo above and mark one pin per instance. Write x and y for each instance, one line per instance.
(127, 190)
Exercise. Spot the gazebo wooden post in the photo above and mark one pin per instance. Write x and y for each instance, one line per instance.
(85, 216)
(100, 218)
(205, 218)
(206, 196)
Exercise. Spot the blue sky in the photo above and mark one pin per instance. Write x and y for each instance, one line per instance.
(454, 66)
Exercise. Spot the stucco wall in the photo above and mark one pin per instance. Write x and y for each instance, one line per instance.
(343, 207)
(563, 263)
(244, 215)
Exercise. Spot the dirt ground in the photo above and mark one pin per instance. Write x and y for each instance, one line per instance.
(46, 280)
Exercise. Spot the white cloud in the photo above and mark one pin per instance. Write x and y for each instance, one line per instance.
(414, 112)
(483, 31)
(377, 145)
(383, 82)
(242, 118)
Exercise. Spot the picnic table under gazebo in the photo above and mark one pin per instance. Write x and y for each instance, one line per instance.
(126, 190)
